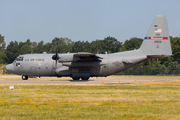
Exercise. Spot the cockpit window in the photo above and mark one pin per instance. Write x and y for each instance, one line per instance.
(18, 64)
(19, 59)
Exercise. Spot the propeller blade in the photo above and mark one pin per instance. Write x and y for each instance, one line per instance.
(56, 58)
(56, 64)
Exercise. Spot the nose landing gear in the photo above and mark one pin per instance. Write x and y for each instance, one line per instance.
(24, 77)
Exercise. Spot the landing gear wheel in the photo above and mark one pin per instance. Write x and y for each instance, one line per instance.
(75, 78)
(85, 78)
(24, 77)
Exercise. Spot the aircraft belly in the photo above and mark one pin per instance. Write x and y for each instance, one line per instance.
(81, 72)
(117, 65)
(94, 71)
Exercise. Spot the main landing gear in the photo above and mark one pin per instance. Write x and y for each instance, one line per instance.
(76, 78)
(24, 77)
(83, 78)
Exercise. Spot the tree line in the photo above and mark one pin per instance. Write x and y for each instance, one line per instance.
(156, 66)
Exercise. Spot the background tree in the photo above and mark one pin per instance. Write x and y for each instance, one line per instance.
(81, 46)
(97, 47)
(133, 43)
(25, 47)
(39, 47)
(47, 48)
(2, 50)
(175, 45)
(111, 44)
(33, 47)
(12, 51)
(62, 45)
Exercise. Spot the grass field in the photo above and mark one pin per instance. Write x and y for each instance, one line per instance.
(153, 100)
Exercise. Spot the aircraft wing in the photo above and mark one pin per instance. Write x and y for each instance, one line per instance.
(87, 56)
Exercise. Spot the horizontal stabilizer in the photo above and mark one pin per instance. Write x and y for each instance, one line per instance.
(158, 56)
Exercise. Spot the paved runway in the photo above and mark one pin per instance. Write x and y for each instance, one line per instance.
(101, 80)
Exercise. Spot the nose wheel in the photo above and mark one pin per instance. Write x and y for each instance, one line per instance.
(24, 77)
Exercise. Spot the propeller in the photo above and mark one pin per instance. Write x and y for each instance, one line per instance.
(55, 57)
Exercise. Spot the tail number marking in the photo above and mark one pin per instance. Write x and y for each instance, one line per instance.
(157, 41)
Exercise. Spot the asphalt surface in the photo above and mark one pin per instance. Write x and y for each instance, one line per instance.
(100, 80)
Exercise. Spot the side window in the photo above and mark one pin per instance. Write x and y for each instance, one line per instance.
(18, 64)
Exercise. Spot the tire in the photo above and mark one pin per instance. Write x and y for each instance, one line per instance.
(24, 77)
(75, 78)
(85, 78)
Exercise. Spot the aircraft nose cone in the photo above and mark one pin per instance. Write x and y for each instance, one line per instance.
(10, 68)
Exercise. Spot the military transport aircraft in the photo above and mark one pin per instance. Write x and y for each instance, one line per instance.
(84, 65)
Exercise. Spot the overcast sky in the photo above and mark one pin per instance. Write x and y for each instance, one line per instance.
(84, 19)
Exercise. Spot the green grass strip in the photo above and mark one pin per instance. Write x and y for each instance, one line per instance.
(153, 100)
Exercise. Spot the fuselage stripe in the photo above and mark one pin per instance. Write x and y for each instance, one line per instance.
(164, 38)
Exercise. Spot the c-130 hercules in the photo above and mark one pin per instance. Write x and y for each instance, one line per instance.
(84, 65)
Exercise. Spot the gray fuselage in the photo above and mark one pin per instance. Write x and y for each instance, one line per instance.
(84, 65)
(43, 65)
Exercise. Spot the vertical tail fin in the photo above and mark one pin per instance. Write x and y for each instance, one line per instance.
(157, 42)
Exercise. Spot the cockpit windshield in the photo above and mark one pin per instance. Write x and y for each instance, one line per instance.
(19, 59)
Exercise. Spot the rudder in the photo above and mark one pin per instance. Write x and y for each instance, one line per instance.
(157, 41)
